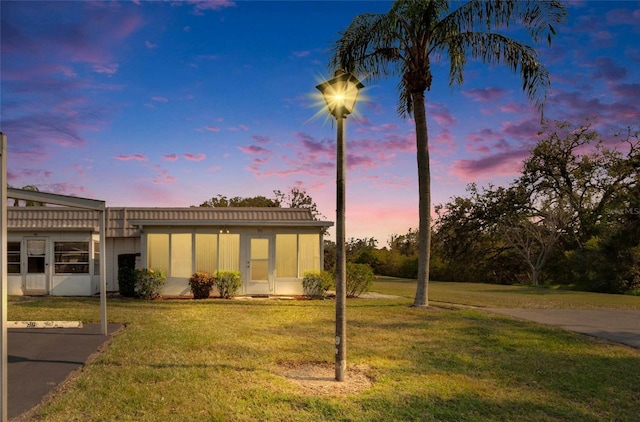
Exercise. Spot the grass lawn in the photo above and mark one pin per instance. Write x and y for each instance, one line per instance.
(224, 360)
(498, 296)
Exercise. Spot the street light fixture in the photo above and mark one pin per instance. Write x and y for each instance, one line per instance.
(340, 94)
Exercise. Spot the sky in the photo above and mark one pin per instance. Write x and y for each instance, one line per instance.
(171, 103)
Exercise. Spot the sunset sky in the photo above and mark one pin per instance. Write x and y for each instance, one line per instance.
(167, 104)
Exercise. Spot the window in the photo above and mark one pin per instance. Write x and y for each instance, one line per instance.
(296, 254)
(158, 251)
(36, 251)
(181, 259)
(175, 253)
(71, 257)
(206, 252)
(286, 255)
(229, 252)
(13, 257)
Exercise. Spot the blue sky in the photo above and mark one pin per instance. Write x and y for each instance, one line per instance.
(171, 103)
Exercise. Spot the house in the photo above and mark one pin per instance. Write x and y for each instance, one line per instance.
(56, 250)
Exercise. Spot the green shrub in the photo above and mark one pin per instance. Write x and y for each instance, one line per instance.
(149, 283)
(201, 284)
(228, 283)
(127, 274)
(316, 283)
(359, 279)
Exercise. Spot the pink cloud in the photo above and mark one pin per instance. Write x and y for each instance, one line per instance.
(212, 128)
(106, 68)
(506, 163)
(238, 128)
(202, 5)
(313, 146)
(170, 157)
(485, 94)
(623, 17)
(160, 99)
(253, 149)
(443, 143)
(164, 179)
(193, 157)
(440, 114)
(605, 68)
(137, 157)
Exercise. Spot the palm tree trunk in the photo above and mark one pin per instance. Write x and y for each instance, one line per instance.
(424, 201)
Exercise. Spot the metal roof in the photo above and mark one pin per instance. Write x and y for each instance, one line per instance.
(126, 222)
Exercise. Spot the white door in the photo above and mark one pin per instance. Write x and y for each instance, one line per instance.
(260, 267)
(35, 282)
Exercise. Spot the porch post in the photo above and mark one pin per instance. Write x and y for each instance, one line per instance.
(3, 275)
(103, 272)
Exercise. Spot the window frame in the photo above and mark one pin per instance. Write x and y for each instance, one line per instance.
(84, 265)
(13, 253)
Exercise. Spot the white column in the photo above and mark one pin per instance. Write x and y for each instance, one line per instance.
(3, 275)
(103, 272)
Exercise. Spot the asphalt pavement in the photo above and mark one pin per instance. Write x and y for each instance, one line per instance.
(616, 325)
(40, 359)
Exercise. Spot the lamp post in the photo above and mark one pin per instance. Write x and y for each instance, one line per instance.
(340, 94)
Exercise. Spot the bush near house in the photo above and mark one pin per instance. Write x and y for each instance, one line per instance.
(360, 277)
(201, 284)
(316, 283)
(149, 283)
(228, 283)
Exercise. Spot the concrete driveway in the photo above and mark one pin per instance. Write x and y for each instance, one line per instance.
(618, 326)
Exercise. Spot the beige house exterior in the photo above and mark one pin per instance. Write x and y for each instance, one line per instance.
(56, 250)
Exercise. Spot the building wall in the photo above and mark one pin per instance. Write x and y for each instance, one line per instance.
(114, 247)
(52, 280)
(169, 244)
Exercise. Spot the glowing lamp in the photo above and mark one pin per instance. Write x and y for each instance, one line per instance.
(340, 93)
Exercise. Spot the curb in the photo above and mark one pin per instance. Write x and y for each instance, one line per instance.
(44, 324)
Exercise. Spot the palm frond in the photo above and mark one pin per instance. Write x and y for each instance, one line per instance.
(537, 17)
(497, 49)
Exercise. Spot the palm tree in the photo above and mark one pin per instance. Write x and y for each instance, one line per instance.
(404, 41)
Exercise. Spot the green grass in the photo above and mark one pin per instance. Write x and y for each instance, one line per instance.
(221, 360)
(499, 296)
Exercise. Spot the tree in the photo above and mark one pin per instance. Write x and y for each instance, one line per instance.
(222, 201)
(31, 188)
(534, 236)
(576, 165)
(404, 41)
(296, 198)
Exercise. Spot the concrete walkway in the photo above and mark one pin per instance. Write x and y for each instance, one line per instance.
(618, 326)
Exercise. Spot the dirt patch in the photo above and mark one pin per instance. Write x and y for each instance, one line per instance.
(316, 379)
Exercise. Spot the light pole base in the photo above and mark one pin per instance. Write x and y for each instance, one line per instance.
(341, 368)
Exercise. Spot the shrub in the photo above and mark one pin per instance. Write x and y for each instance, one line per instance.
(228, 283)
(316, 283)
(149, 283)
(127, 274)
(359, 279)
(201, 284)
